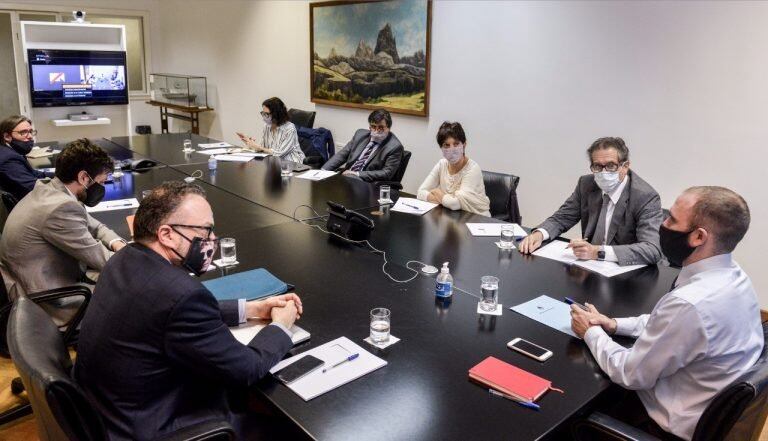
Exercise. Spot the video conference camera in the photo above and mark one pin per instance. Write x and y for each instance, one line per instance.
(78, 16)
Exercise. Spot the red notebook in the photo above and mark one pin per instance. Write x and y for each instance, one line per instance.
(509, 379)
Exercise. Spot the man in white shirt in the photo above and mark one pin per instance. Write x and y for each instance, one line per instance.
(619, 212)
(703, 334)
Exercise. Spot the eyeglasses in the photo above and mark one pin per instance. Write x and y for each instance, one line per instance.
(610, 167)
(208, 230)
(265, 114)
(32, 132)
(377, 128)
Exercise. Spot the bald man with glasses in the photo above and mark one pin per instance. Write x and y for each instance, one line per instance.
(619, 212)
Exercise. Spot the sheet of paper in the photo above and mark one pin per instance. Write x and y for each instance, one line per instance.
(245, 332)
(214, 152)
(316, 175)
(235, 157)
(412, 206)
(548, 311)
(318, 382)
(117, 204)
(215, 145)
(41, 152)
(557, 250)
(493, 229)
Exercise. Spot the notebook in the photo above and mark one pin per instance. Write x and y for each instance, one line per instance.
(509, 379)
(245, 332)
(249, 285)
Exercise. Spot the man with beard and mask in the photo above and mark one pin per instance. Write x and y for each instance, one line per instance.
(371, 155)
(155, 354)
(49, 239)
(700, 337)
(620, 213)
(16, 175)
(455, 182)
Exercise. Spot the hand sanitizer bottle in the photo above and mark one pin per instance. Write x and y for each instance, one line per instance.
(444, 287)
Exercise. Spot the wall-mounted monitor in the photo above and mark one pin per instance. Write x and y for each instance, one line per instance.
(59, 77)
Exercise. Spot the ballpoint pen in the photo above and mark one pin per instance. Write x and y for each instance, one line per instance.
(412, 206)
(570, 301)
(350, 358)
(528, 404)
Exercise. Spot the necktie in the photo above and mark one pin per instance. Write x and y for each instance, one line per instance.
(599, 236)
(360, 163)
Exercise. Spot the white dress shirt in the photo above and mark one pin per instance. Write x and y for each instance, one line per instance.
(610, 255)
(698, 339)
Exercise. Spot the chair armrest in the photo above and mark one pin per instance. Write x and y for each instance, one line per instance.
(601, 423)
(207, 430)
(62, 293)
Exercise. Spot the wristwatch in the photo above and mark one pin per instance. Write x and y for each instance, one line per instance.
(601, 253)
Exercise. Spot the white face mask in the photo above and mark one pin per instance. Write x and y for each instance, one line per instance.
(378, 136)
(607, 181)
(453, 154)
(267, 119)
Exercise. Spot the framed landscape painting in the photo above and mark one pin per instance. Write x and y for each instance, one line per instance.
(371, 54)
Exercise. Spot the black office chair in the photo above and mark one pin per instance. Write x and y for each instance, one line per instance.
(738, 412)
(501, 189)
(397, 178)
(302, 118)
(62, 411)
(9, 200)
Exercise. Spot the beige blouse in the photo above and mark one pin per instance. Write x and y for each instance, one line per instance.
(283, 141)
(463, 191)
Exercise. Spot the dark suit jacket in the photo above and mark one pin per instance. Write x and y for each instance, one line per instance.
(154, 354)
(381, 167)
(16, 175)
(634, 229)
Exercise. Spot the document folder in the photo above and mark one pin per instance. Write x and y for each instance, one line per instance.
(249, 285)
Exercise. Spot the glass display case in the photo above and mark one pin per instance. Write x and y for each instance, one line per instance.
(179, 90)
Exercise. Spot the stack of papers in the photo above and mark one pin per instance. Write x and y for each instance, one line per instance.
(238, 157)
(556, 250)
(412, 206)
(117, 204)
(245, 332)
(316, 175)
(215, 151)
(318, 382)
(41, 152)
(548, 311)
(493, 229)
(215, 145)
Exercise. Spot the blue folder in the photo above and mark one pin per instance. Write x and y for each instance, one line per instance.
(249, 285)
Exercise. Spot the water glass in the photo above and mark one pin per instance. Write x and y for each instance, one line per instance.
(286, 167)
(228, 251)
(380, 320)
(507, 236)
(384, 193)
(489, 286)
(188, 145)
(145, 194)
(118, 171)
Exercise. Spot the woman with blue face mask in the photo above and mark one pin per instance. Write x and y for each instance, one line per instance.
(456, 182)
(279, 137)
(16, 174)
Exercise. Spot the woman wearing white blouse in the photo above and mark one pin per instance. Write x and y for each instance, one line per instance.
(279, 137)
(456, 182)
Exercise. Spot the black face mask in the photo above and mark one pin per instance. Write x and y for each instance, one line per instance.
(22, 147)
(94, 193)
(674, 245)
(199, 255)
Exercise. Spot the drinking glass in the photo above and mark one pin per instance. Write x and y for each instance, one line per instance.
(118, 171)
(384, 193)
(286, 167)
(188, 145)
(507, 236)
(489, 286)
(228, 251)
(380, 321)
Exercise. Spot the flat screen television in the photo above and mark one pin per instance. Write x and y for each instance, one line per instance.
(59, 77)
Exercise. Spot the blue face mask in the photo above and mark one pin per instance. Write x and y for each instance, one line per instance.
(22, 147)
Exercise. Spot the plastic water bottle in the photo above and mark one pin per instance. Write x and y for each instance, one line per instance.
(212, 163)
(444, 287)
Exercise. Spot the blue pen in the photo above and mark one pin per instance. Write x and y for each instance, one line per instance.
(412, 206)
(570, 301)
(528, 404)
(350, 358)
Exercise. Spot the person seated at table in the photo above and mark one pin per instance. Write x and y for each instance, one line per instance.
(17, 176)
(49, 237)
(700, 337)
(279, 137)
(155, 353)
(371, 155)
(620, 213)
(455, 182)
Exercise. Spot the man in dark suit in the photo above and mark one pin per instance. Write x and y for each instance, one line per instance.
(620, 213)
(371, 155)
(155, 353)
(17, 139)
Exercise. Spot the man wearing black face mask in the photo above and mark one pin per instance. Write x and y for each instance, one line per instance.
(155, 354)
(49, 239)
(16, 175)
(700, 337)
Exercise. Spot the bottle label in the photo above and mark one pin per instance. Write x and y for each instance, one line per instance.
(444, 289)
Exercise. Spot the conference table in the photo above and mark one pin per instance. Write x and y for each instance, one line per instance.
(424, 391)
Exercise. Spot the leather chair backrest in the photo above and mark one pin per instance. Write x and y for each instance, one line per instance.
(62, 412)
(398, 177)
(738, 412)
(501, 189)
(9, 201)
(301, 118)
(5, 313)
